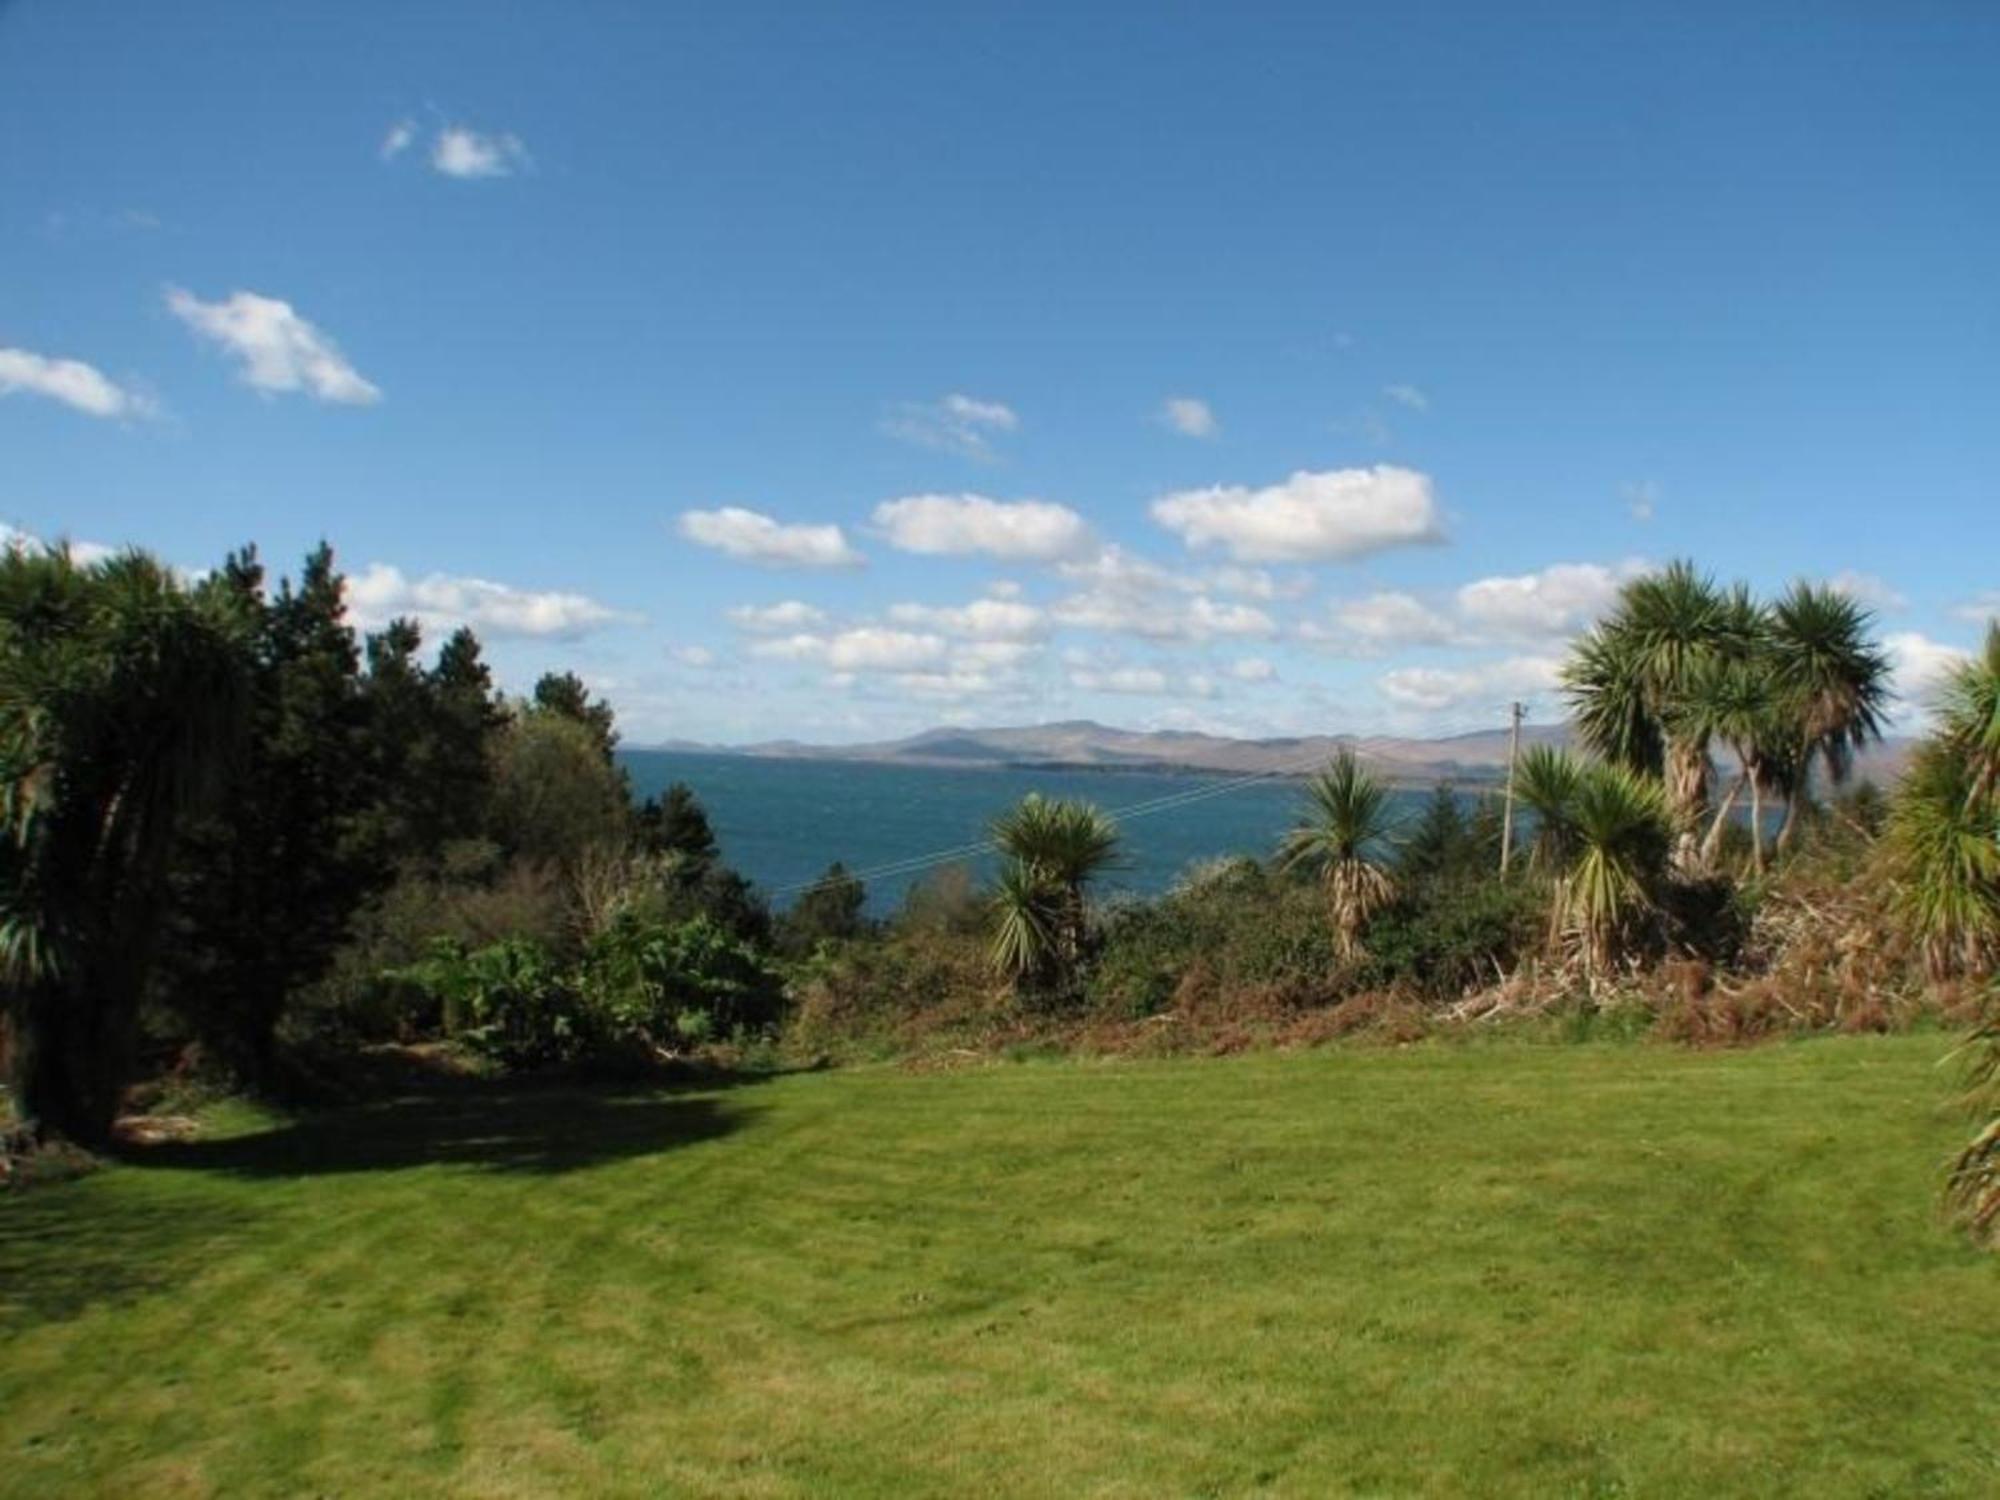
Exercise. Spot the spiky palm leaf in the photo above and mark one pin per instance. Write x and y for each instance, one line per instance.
(1972, 1188)
(1626, 675)
(1343, 827)
(1968, 713)
(1545, 781)
(1026, 914)
(1945, 833)
(1622, 828)
(1835, 679)
(120, 700)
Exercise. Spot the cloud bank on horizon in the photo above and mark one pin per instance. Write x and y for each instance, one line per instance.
(816, 411)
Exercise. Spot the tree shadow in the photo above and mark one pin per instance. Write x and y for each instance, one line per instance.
(70, 1246)
(501, 1127)
(63, 1251)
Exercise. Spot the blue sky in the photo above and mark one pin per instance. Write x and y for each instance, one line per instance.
(1252, 368)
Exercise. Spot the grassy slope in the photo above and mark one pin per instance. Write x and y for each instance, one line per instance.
(1511, 1270)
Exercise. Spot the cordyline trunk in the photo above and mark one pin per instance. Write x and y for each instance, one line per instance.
(70, 1064)
(1687, 798)
(1712, 845)
(1756, 825)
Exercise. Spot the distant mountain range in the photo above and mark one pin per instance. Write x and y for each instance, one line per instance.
(1082, 744)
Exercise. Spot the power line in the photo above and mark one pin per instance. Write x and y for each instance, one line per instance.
(915, 864)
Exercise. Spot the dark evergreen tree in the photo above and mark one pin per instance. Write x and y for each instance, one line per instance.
(564, 694)
(675, 823)
(830, 910)
(265, 892)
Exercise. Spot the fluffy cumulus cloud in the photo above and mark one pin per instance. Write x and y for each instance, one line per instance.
(440, 601)
(1320, 516)
(866, 648)
(14, 539)
(1919, 665)
(790, 615)
(83, 387)
(464, 153)
(1124, 594)
(1377, 623)
(1190, 416)
(957, 423)
(1139, 681)
(753, 537)
(962, 525)
(1253, 669)
(278, 349)
(1558, 601)
(1486, 684)
(981, 620)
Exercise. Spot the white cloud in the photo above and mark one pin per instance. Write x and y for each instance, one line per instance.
(699, 657)
(398, 139)
(1919, 664)
(753, 537)
(280, 350)
(381, 593)
(1128, 595)
(1160, 617)
(1140, 681)
(1407, 395)
(467, 154)
(958, 525)
(867, 648)
(1381, 622)
(1255, 583)
(1207, 618)
(1190, 416)
(1003, 588)
(70, 381)
(982, 619)
(1641, 497)
(1311, 517)
(1557, 601)
(995, 653)
(1439, 689)
(792, 614)
(1253, 669)
(1980, 609)
(13, 539)
(961, 424)
(1866, 588)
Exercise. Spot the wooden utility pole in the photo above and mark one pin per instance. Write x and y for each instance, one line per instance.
(1507, 817)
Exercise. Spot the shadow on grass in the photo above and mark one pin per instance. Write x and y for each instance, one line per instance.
(502, 1127)
(68, 1247)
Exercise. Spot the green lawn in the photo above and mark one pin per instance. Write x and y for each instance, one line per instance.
(1452, 1270)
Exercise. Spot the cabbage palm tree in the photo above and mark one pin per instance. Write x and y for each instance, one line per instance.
(121, 698)
(1944, 825)
(1972, 1187)
(1622, 828)
(1025, 917)
(1968, 712)
(1546, 781)
(1628, 673)
(1944, 830)
(1343, 826)
(1056, 847)
(1835, 679)
(1737, 702)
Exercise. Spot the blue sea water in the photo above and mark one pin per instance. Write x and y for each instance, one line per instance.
(782, 822)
